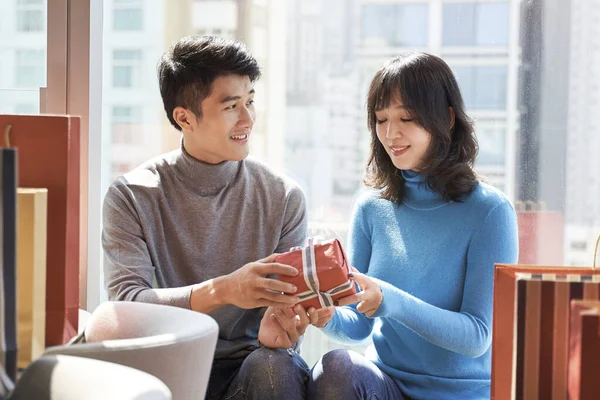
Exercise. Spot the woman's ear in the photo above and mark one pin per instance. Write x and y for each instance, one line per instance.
(452, 117)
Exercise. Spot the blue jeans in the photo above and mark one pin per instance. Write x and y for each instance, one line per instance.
(347, 375)
(266, 374)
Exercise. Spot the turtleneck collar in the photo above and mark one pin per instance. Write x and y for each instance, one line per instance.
(205, 179)
(417, 193)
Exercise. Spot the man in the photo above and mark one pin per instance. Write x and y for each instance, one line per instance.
(199, 217)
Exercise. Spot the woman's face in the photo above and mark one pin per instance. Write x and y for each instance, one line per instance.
(404, 140)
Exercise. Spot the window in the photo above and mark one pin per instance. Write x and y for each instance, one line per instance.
(128, 15)
(491, 146)
(475, 24)
(31, 15)
(483, 87)
(126, 68)
(126, 125)
(26, 108)
(397, 25)
(30, 68)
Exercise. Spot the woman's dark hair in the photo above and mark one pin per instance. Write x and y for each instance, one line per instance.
(188, 69)
(427, 88)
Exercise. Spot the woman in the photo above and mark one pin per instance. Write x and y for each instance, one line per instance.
(424, 247)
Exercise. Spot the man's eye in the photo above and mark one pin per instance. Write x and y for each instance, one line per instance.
(250, 102)
(231, 107)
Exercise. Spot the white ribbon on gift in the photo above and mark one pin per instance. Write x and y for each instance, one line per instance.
(311, 277)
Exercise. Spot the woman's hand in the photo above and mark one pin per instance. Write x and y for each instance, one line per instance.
(324, 315)
(369, 298)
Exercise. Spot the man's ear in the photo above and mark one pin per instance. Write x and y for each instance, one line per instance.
(452, 117)
(184, 118)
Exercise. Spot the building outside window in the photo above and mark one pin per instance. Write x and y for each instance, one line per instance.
(29, 68)
(31, 15)
(128, 15)
(126, 68)
(475, 23)
(396, 25)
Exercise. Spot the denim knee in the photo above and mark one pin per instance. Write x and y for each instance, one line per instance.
(273, 374)
(346, 375)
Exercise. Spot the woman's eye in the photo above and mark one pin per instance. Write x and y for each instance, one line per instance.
(250, 102)
(406, 119)
(380, 121)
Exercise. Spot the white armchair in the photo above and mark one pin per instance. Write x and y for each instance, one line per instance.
(173, 344)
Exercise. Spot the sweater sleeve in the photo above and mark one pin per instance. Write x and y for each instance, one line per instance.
(128, 268)
(294, 227)
(348, 325)
(468, 332)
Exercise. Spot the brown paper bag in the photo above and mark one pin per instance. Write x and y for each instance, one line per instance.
(31, 273)
(584, 350)
(531, 328)
(51, 156)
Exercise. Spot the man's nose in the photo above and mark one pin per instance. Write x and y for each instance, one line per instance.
(247, 117)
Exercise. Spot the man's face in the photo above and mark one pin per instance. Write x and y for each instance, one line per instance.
(228, 115)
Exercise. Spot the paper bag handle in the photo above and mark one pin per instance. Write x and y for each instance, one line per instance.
(596, 252)
(7, 136)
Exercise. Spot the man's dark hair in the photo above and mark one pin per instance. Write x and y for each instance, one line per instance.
(427, 88)
(188, 69)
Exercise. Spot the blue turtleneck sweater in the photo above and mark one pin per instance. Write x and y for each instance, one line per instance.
(434, 261)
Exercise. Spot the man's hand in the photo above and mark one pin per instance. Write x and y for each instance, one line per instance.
(249, 286)
(369, 298)
(281, 328)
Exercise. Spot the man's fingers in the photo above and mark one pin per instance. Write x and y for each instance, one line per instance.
(286, 322)
(302, 315)
(282, 340)
(269, 259)
(354, 298)
(276, 285)
(281, 300)
(276, 268)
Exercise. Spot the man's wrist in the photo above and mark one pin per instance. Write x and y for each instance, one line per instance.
(219, 290)
(209, 296)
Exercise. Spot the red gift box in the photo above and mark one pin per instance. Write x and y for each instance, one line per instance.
(323, 276)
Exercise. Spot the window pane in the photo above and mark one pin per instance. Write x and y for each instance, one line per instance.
(128, 20)
(30, 68)
(483, 87)
(30, 20)
(492, 149)
(398, 25)
(475, 24)
(122, 77)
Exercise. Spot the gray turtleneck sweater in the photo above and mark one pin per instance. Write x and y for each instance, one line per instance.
(184, 222)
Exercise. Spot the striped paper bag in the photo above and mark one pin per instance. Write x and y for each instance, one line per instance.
(584, 350)
(51, 156)
(31, 273)
(530, 344)
(8, 283)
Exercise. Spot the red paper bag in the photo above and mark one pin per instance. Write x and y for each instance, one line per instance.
(323, 276)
